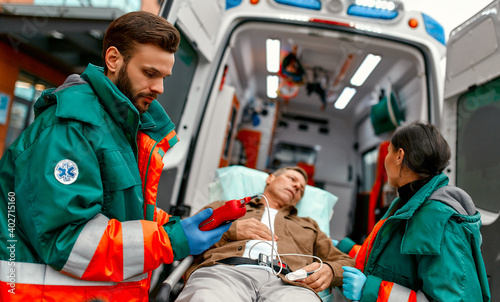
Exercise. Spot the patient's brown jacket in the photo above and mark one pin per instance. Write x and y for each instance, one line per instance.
(298, 235)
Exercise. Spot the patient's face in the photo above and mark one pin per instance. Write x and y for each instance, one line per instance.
(285, 189)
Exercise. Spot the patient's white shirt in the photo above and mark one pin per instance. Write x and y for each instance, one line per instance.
(262, 247)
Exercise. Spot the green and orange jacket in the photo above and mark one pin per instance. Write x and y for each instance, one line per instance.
(428, 249)
(78, 210)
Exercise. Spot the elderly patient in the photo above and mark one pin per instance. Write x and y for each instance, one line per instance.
(225, 272)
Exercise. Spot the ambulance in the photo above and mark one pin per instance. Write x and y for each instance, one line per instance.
(323, 83)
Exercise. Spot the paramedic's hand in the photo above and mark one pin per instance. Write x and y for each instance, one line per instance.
(354, 280)
(199, 240)
(252, 229)
(320, 280)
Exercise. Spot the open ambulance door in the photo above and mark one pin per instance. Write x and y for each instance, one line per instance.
(471, 124)
(228, 44)
(185, 93)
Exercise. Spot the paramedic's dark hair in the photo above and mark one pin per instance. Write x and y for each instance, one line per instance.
(426, 151)
(284, 169)
(139, 27)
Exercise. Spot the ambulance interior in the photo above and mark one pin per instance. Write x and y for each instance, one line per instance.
(338, 146)
(240, 124)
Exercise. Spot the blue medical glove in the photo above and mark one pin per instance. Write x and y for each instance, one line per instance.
(199, 240)
(335, 242)
(354, 280)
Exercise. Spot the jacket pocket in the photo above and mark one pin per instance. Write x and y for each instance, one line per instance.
(405, 275)
(119, 170)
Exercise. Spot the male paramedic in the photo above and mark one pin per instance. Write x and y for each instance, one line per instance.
(238, 267)
(78, 187)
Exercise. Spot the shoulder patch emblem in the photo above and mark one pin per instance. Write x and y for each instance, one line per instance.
(66, 171)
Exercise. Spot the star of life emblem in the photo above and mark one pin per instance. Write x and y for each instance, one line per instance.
(66, 171)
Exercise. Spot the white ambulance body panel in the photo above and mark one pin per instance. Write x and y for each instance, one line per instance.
(340, 144)
(471, 124)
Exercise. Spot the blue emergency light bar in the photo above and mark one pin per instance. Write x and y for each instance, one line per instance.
(376, 9)
(232, 3)
(434, 29)
(309, 4)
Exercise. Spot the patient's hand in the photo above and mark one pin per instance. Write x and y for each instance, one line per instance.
(320, 280)
(251, 228)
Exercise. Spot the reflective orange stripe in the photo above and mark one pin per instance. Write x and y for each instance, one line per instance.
(354, 251)
(392, 292)
(101, 237)
(43, 274)
(157, 250)
(384, 291)
(366, 248)
(126, 291)
(22, 281)
(103, 267)
(24, 292)
(85, 246)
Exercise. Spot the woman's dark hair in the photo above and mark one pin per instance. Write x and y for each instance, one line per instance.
(139, 27)
(426, 151)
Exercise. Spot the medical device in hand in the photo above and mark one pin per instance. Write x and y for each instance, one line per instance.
(298, 275)
(229, 212)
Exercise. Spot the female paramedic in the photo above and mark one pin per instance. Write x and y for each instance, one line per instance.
(427, 246)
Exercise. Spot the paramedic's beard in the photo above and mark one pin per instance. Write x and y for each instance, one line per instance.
(124, 84)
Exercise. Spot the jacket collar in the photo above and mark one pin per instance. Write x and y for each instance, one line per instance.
(118, 106)
(407, 210)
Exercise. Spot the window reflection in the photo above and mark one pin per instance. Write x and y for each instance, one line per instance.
(28, 89)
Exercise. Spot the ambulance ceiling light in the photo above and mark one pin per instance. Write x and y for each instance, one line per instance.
(345, 97)
(273, 55)
(377, 9)
(272, 86)
(365, 69)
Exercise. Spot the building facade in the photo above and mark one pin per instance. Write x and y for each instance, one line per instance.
(44, 41)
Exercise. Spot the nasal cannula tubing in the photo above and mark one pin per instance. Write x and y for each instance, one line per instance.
(272, 244)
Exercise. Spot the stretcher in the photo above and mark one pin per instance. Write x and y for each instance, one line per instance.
(237, 182)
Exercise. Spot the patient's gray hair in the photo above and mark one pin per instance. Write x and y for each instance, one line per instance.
(284, 169)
